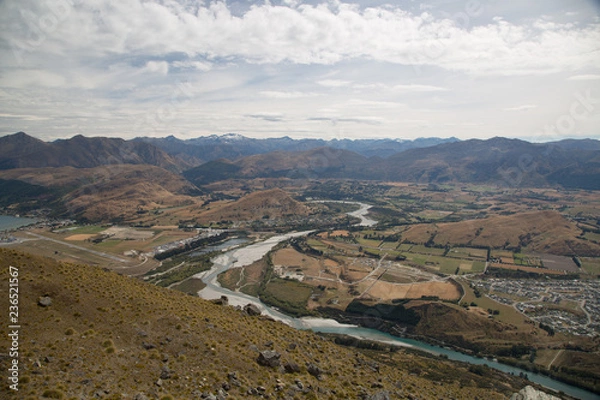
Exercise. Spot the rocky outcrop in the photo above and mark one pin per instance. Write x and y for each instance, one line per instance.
(529, 393)
(45, 301)
(252, 309)
(269, 358)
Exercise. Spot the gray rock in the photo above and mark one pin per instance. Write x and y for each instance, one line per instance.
(45, 301)
(383, 395)
(165, 373)
(223, 301)
(529, 393)
(291, 367)
(140, 396)
(314, 370)
(269, 358)
(252, 309)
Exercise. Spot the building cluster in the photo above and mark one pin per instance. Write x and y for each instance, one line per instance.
(569, 306)
(202, 234)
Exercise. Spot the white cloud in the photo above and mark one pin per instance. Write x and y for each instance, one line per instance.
(267, 116)
(587, 77)
(198, 65)
(160, 67)
(312, 34)
(32, 78)
(357, 120)
(274, 94)
(334, 83)
(524, 107)
(265, 68)
(419, 88)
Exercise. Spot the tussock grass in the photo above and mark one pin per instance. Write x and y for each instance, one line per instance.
(124, 332)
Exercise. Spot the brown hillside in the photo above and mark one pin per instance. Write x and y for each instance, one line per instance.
(322, 161)
(541, 231)
(451, 324)
(274, 203)
(109, 192)
(112, 337)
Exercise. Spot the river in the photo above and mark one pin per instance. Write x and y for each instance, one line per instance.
(247, 255)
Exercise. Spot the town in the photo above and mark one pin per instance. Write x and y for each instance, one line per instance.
(568, 306)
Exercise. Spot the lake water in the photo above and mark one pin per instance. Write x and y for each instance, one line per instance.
(247, 255)
(8, 222)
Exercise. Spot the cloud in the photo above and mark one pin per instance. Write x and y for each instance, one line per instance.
(524, 107)
(334, 83)
(159, 67)
(189, 64)
(419, 88)
(274, 94)
(356, 120)
(587, 77)
(325, 34)
(266, 116)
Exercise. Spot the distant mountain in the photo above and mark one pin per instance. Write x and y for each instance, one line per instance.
(578, 144)
(23, 151)
(322, 162)
(233, 146)
(505, 162)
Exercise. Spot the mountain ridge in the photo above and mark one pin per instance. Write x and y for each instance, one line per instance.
(23, 151)
(500, 161)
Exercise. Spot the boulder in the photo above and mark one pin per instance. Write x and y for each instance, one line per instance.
(45, 301)
(269, 358)
(383, 395)
(252, 309)
(223, 301)
(314, 370)
(291, 367)
(529, 393)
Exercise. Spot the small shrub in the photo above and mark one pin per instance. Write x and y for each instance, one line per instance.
(53, 394)
(70, 331)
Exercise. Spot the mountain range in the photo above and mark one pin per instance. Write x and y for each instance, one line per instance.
(506, 162)
(233, 146)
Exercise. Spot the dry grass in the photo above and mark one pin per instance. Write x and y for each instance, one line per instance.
(99, 331)
(109, 192)
(547, 232)
(273, 203)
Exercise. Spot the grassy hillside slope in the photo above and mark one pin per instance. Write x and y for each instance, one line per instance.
(113, 337)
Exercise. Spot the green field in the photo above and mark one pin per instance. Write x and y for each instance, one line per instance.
(404, 247)
(369, 243)
(468, 252)
(592, 236)
(591, 265)
(419, 248)
(85, 230)
(289, 295)
(526, 260)
(507, 313)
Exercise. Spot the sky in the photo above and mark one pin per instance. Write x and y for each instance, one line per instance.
(304, 69)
